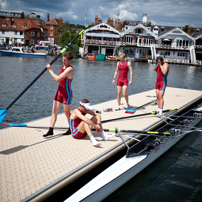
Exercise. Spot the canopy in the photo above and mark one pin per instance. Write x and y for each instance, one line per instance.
(103, 35)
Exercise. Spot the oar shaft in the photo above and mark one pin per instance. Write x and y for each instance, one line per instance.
(152, 101)
(62, 51)
(137, 131)
(137, 115)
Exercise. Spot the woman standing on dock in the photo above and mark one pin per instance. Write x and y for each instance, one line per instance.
(123, 67)
(64, 93)
(162, 70)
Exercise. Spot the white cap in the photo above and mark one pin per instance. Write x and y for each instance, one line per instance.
(86, 105)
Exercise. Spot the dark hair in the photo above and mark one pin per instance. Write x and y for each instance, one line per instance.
(85, 100)
(68, 55)
(159, 58)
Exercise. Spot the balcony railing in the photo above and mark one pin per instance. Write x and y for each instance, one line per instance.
(115, 43)
(118, 43)
(164, 46)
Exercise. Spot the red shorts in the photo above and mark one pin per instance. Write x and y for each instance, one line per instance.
(161, 85)
(79, 135)
(122, 82)
(62, 98)
(74, 130)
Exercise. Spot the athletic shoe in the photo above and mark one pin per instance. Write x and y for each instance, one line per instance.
(127, 106)
(107, 136)
(50, 132)
(96, 144)
(68, 132)
(159, 115)
(118, 108)
(47, 134)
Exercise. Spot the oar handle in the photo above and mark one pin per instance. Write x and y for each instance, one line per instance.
(61, 52)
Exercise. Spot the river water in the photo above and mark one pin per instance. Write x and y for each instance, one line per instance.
(92, 80)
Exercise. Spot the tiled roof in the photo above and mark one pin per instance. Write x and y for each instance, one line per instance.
(55, 21)
(19, 24)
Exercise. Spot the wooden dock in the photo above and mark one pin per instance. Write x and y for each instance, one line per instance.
(33, 167)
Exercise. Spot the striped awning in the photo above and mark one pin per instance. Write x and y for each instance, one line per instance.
(103, 35)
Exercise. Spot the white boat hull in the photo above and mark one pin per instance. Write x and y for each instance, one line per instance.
(120, 172)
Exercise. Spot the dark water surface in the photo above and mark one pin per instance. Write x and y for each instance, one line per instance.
(176, 176)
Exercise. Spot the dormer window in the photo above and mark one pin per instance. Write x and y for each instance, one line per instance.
(3, 25)
(162, 29)
(14, 25)
(24, 26)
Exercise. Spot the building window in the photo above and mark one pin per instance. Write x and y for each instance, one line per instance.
(51, 33)
(24, 26)
(22, 40)
(140, 31)
(51, 27)
(32, 33)
(15, 26)
(15, 32)
(3, 32)
(21, 33)
(32, 41)
(38, 34)
(128, 39)
(3, 25)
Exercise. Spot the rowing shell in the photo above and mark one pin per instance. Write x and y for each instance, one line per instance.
(138, 157)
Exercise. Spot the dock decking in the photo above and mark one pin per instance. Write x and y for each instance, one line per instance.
(33, 167)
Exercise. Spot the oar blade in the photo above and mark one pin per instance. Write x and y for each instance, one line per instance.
(130, 111)
(2, 114)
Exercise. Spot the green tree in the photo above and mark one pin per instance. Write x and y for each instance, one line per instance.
(185, 28)
(67, 34)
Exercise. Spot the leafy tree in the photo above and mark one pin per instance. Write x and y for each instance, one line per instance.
(185, 28)
(67, 34)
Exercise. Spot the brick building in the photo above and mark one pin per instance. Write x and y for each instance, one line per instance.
(21, 30)
(52, 26)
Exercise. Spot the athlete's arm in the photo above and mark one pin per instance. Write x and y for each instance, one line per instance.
(68, 72)
(164, 68)
(78, 114)
(115, 74)
(131, 73)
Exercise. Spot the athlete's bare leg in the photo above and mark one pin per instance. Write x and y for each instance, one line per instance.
(159, 97)
(67, 109)
(55, 110)
(125, 89)
(119, 89)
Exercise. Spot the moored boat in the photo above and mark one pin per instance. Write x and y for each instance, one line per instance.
(141, 154)
(91, 57)
(100, 57)
(112, 58)
(20, 52)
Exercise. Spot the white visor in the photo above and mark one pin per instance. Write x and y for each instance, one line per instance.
(86, 105)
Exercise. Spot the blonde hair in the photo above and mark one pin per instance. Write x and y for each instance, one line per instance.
(122, 54)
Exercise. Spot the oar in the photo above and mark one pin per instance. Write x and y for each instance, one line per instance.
(65, 48)
(105, 121)
(137, 115)
(136, 131)
(133, 109)
(28, 126)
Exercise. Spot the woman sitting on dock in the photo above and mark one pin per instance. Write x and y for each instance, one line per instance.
(81, 126)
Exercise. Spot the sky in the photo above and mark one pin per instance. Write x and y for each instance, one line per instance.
(165, 12)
